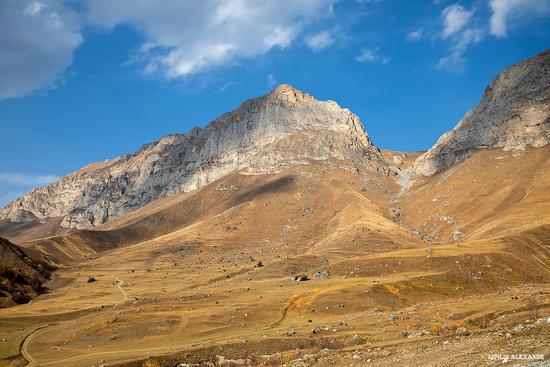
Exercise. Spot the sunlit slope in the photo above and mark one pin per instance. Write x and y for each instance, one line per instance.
(493, 193)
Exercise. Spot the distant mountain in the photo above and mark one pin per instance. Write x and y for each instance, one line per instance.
(513, 114)
(264, 135)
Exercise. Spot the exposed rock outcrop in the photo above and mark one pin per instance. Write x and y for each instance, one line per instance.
(264, 135)
(514, 113)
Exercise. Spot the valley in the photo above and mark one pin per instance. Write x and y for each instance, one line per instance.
(322, 250)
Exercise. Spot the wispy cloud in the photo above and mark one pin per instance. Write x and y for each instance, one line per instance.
(26, 180)
(227, 85)
(460, 28)
(371, 55)
(455, 18)
(415, 35)
(505, 10)
(15, 185)
(271, 81)
(319, 41)
(456, 61)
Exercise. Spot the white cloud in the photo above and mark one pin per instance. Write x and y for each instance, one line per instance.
(459, 26)
(319, 41)
(455, 17)
(185, 37)
(456, 61)
(26, 180)
(227, 85)
(271, 81)
(505, 10)
(371, 55)
(414, 35)
(36, 44)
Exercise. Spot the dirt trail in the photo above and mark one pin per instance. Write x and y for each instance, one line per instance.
(23, 346)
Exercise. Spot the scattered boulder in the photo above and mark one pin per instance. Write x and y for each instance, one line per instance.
(299, 277)
(392, 317)
(259, 264)
(416, 334)
(365, 229)
(91, 279)
(447, 219)
(457, 234)
(317, 329)
(462, 331)
(519, 328)
(322, 274)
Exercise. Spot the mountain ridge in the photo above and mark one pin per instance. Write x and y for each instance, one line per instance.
(514, 113)
(265, 134)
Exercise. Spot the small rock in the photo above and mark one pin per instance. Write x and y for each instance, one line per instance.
(322, 274)
(416, 334)
(519, 328)
(317, 329)
(462, 331)
(392, 317)
(299, 277)
(91, 279)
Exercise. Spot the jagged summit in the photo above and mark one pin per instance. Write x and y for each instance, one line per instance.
(514, 113)
(286, 92)
(264, 135)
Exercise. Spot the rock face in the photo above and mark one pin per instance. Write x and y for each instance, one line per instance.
(514, 113)
(264, 135)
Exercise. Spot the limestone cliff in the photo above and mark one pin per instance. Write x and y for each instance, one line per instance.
(514, 113)
(264, 135)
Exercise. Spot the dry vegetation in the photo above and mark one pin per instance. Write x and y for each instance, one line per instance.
(178, 281)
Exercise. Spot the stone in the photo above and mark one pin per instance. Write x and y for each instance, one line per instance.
(514, 113)
(91, 279)
(519, 328)
(415, 334)
(392, 317)
(462, 331)
(263, 136)
(299, 277)
(322, 274)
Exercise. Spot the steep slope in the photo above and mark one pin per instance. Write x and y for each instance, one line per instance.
(21, 277)
(264, 135)
(514, 113)
(492, 193)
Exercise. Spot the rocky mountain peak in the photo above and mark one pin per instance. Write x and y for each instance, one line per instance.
(287, 93)
(264, 135)
(514, 113)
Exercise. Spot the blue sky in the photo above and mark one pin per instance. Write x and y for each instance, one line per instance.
(88, 80)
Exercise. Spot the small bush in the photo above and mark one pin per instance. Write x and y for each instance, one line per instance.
(435, 329)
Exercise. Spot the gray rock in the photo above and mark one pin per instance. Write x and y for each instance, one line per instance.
(299, 277)
(415, 334)
(462, 331)
(519, 328)
(322, 274)
(264, 135)
(514, 113)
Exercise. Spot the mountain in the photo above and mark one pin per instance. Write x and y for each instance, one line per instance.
(264, 135)
(313, 249)
(514, 113)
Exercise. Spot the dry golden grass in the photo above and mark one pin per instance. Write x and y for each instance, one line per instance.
(177, 280)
